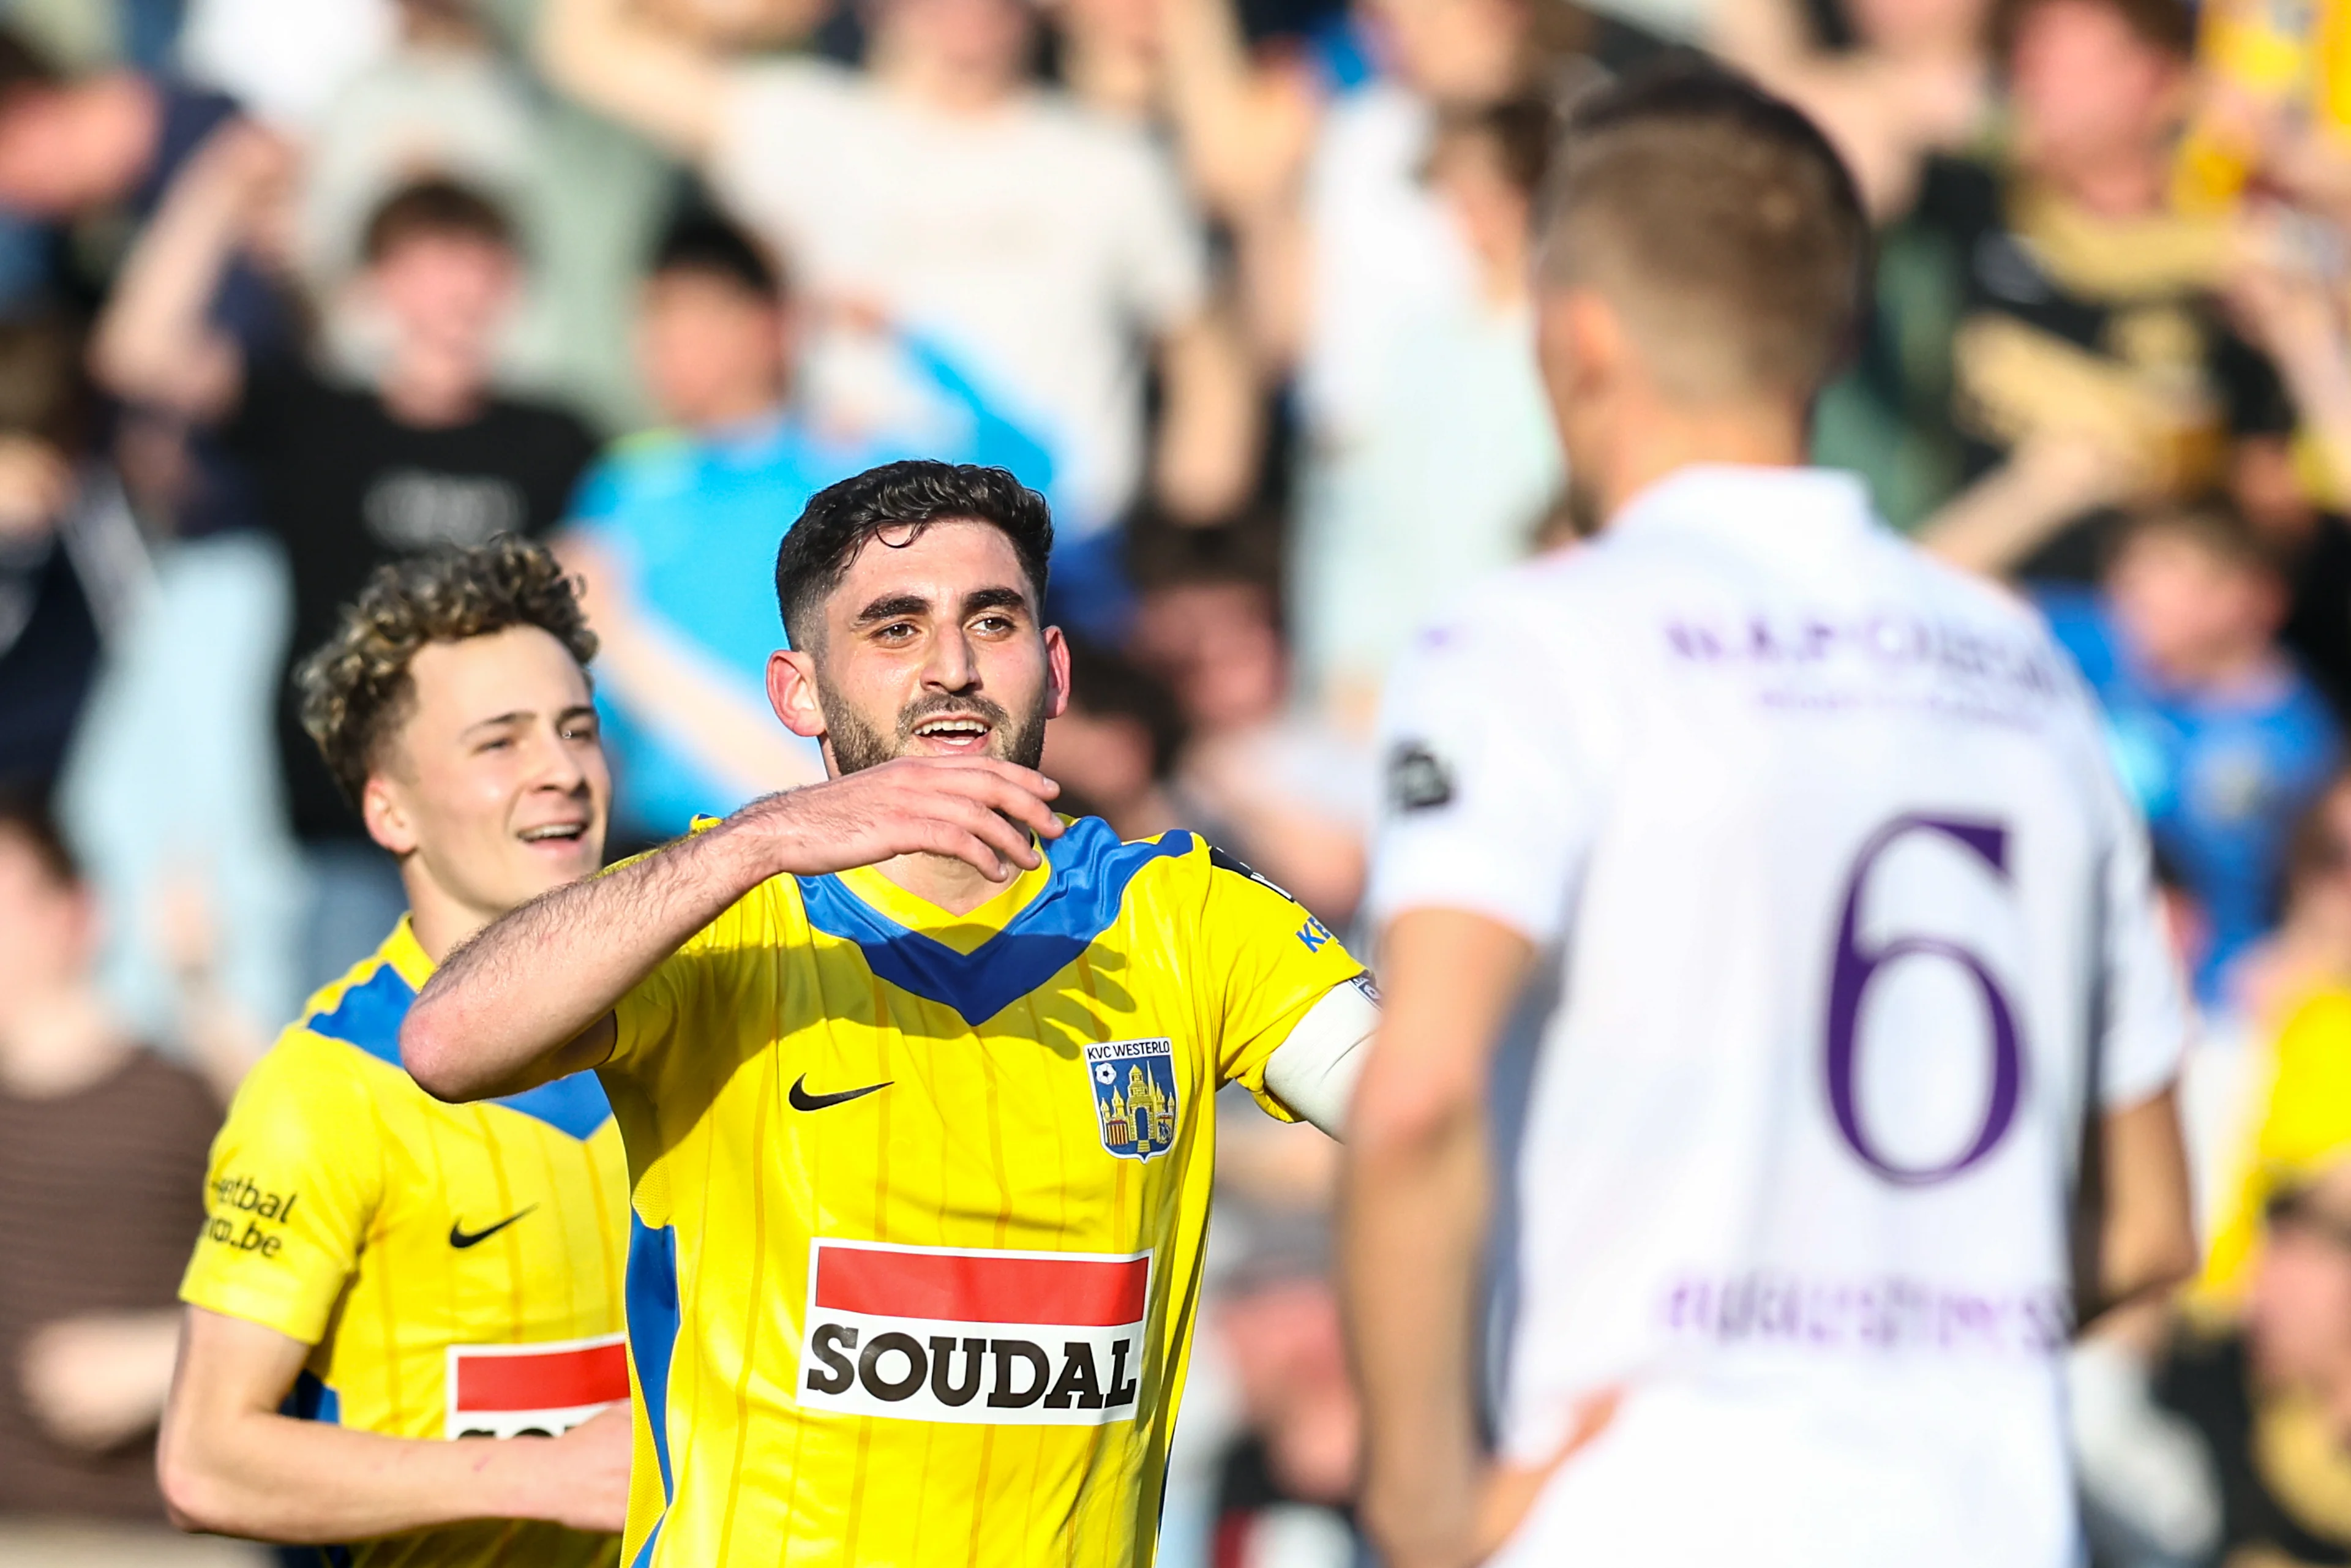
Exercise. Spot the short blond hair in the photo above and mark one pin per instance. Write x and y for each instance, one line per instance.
(355, 688)
(1721, 225)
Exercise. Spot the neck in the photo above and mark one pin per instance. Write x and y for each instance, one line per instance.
(441, 922)
(2121, 182)
(431, 390)
(935, 84)
(59, 1043)
(1645, 451)
(951, 884)
(2224, 670)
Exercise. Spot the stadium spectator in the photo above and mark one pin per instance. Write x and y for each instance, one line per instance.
(2310, 949)
(1267, 779)
(587, 197)
(2221, 738)
(426, 454)
(2265, 1387)
(1351, 256)
(1459, 457)
(1288, 1477)
(676, 528)
(102, 1168)
(1038, 243)
(89, 160)
(1115, 749)
(2084, 360)
(70, 556)
(1889, 81)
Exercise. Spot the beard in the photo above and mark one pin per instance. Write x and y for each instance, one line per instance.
(858, 744)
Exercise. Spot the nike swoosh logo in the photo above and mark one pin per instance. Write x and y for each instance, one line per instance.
(460, 1237)
(803, 1101)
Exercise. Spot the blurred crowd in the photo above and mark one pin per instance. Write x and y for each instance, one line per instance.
(292, 288)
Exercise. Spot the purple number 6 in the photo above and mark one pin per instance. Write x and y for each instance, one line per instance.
(1856, 966)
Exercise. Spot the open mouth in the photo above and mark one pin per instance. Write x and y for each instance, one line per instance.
(554, 832)
(958, 732)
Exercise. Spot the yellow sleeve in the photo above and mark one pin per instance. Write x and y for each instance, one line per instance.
(1265, 960)
(296, 1178)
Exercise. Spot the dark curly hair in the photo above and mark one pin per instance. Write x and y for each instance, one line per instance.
(815, 555)
(355, 688)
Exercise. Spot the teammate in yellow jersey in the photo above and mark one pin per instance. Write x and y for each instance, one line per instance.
(915, 1080)
(381, 1273)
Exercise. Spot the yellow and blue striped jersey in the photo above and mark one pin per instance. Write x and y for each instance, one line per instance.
(459, 1269)
(920, 1201)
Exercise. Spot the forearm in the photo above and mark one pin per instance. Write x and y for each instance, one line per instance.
(1208, 439)
(2146, 1237)
(274, 1478)
(678, 695)
(155, 342)
(1415, 1197)
(502, 1013)
(664, 87)
(1996, 523)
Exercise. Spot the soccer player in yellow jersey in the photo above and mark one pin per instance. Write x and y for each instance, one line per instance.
(388, 1288)
(916, 1082)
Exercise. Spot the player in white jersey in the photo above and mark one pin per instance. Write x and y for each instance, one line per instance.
(1856, 951)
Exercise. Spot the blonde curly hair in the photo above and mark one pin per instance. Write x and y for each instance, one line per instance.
(355, 688)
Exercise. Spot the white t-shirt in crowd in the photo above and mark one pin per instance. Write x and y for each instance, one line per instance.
(1041, 245)
(1853, 923)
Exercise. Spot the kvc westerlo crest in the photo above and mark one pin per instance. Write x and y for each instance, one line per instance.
(1134, 1095)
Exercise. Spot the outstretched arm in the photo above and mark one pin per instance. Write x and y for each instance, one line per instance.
(667, 88)
(156, 344)
(231, 1464)
(530, 998)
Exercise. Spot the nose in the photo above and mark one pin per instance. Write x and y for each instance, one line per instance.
(952, 666)
(558, 765)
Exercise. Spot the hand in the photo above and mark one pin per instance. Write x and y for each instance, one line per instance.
(586, 1475)
(1493, 1506)
(974, 808)
(94, 1383)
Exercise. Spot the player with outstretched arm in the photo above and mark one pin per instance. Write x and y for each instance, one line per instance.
(916, 1078)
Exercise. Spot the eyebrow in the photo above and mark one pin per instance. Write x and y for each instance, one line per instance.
(517, 716)
(891, 606)
(994, 599)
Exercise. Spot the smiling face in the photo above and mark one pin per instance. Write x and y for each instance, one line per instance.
(492, 790)
(931, 646)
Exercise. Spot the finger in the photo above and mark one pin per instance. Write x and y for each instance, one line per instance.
(1009, 839)
(1025, 778)
(968, 848)
(999, 792)
(1511, 1491)
(1018, 804)
(970, 832)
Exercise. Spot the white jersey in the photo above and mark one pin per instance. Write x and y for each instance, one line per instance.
(1854, 924)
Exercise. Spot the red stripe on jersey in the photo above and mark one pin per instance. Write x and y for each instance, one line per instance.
(1079, 1291)
(544, 1380)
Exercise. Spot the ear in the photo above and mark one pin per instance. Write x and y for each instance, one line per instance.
(1057, 673)
(791, 692)
(386, 814)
